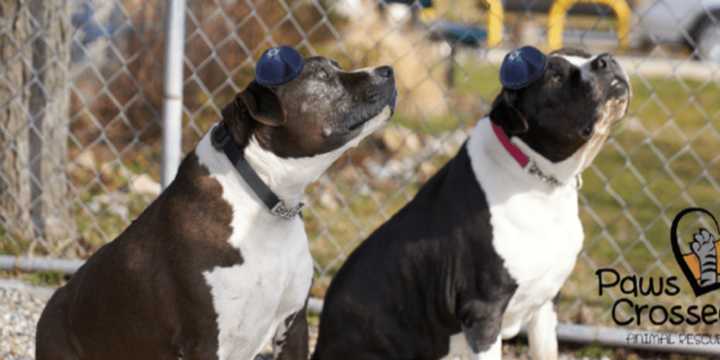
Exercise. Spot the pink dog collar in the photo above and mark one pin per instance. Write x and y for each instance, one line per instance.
(513, 150)
(524, 161)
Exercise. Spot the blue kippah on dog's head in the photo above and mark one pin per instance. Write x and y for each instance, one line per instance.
(278, 65)
(521, 67)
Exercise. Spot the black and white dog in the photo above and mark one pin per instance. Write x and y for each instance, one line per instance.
(487, 243)
(208, 271)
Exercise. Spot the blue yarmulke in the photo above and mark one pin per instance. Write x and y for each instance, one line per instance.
(521, 67)
(278, 65)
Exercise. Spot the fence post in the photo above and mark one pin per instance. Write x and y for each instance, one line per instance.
(173, 82)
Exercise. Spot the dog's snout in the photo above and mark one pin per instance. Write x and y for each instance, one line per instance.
(385, 71)
(604, 62)
(372, 95)
(604, 66)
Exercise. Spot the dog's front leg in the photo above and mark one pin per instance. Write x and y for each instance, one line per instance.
(542, 333)
(291, 340)
(481, 324)
(493, 353)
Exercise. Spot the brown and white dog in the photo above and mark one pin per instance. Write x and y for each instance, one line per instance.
(487, 243)
(207, 271)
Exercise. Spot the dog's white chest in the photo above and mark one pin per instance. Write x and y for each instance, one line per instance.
(253, 298)
(536, 230)
(539, 238)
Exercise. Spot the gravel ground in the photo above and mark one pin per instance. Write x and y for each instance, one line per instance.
(20, 307)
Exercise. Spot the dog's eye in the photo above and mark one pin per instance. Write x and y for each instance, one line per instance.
(322, 74)
(335, 63)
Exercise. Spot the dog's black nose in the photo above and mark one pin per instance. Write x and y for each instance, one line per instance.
(385, 71)
(603, 62)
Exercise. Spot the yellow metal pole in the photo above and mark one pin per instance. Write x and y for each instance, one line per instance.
(495, 22)
(556, 20)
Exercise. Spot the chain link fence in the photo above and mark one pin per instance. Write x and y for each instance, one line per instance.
(81, 93)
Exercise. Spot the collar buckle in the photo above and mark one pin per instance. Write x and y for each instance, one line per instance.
(279, 209)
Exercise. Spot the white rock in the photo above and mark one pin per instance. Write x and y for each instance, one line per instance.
(327, 200)
(144, 184)
(86, 159)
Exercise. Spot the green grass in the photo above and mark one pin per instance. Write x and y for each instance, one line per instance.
(42, 278)
(593, 352)
(656, 177)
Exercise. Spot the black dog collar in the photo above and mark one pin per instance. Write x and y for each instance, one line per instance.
(221, 140)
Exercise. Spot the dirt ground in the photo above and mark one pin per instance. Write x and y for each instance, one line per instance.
(21, 305)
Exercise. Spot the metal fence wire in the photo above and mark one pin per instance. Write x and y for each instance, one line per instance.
(81, 97)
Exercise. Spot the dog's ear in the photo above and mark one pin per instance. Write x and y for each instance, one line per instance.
(237, 118)
(505, 113)
(263, 104)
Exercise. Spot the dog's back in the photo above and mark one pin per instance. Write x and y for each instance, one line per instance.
(127, 291)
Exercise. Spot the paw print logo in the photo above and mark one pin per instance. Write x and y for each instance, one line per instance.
(700, 262)
(705, 250)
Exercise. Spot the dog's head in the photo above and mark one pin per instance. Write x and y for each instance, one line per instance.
(570, 108)
(320, 110)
